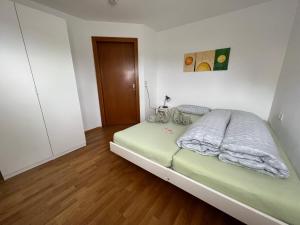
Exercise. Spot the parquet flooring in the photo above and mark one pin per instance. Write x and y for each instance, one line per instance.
(94, 186)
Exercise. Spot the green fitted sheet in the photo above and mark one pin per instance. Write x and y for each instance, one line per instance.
(277, 197)
(156, 141)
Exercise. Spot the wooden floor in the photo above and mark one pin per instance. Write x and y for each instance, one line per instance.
(94, 186)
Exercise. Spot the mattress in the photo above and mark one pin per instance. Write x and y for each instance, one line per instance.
(155, 141)
(279, 198)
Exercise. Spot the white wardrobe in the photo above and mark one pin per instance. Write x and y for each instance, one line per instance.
(40, 117)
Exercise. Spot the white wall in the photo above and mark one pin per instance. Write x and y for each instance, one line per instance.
(80, 32)
(150, 68)
(287, 98)
(258, 37)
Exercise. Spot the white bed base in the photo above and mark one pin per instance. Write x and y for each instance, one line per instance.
(224, 203)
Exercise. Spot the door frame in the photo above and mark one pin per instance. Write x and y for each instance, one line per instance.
(99, 73)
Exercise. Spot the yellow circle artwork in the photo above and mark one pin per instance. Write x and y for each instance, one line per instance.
(221, 59)
(203, 67)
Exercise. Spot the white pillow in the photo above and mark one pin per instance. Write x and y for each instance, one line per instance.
(193, 109)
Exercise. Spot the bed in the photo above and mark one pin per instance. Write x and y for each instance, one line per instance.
(251, 197)
(156, 141)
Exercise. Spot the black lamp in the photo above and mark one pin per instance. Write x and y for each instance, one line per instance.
(167, 99)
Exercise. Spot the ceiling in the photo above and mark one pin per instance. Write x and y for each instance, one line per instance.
(157, 14)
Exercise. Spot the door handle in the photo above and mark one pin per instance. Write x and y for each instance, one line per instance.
(133, 86)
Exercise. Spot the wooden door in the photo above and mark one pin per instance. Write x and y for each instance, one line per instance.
(117, 79)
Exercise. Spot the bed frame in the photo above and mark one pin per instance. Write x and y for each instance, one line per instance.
(222, 202)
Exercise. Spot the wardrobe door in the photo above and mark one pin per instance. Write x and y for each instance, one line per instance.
(47, 44)
(23, 136)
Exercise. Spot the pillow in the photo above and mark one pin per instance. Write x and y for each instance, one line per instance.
(193, 109)
(162, 115)
(180, 118)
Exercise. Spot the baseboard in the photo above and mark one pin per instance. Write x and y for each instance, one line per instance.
(91, 130)
(74, 148)
(10, 175)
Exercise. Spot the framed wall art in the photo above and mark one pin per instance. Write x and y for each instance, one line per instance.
(212, 60)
